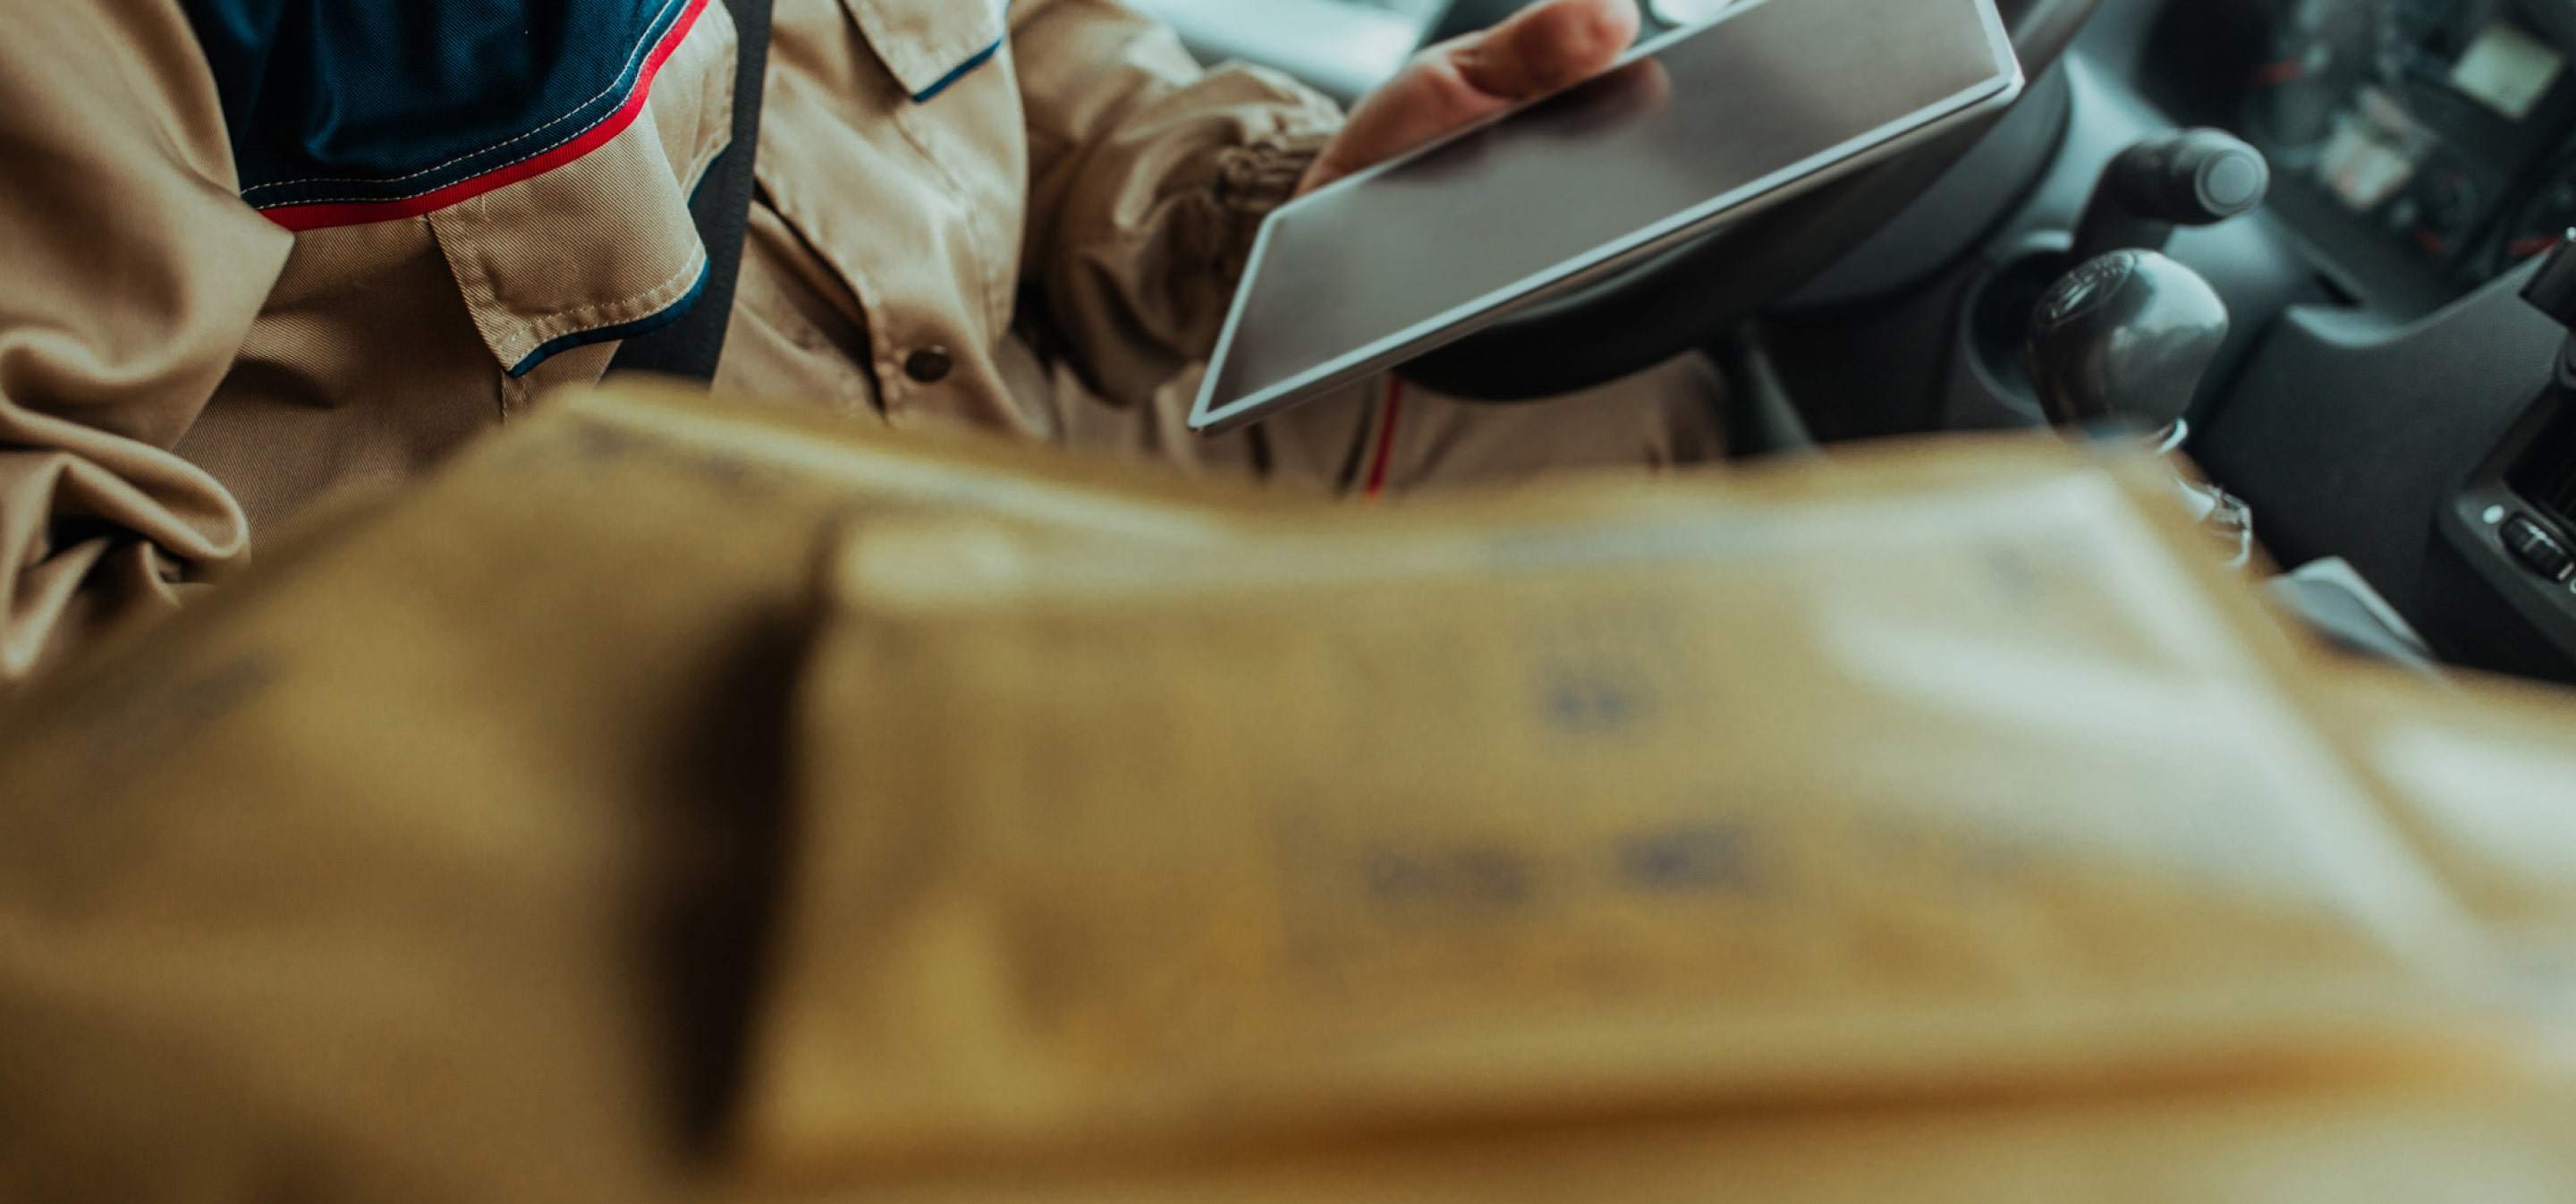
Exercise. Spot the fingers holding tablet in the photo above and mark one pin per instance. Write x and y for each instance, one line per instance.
(1459, 82)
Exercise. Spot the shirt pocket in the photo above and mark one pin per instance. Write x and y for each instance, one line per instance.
(603, 248)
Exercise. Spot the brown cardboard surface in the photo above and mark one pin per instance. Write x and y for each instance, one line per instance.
(1960, 773)
(2481, 774)
(430, 858)
(1929, 826)
(2348, 1146)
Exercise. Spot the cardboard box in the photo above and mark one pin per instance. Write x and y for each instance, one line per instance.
(1951, 772)
(431, 858)
(671, 801)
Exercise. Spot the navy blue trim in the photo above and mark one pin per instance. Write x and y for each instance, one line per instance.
(624, 330)
(963, 70)
(378, 101)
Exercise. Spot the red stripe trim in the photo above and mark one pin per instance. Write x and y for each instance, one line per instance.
(319, 216)
(1385, 438)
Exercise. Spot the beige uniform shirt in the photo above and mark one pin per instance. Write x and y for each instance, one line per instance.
(1045, 246)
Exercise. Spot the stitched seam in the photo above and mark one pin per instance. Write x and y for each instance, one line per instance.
(618, 310)
(958, 73)
(652, 36)
(645, 322)
(539, 153)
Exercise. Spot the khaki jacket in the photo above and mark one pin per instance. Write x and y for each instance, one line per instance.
(179, 372)
(1026, 219)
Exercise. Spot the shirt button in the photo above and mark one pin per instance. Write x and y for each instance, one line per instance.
(930, 365)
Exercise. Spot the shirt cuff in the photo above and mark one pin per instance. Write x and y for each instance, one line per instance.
(1255, 178)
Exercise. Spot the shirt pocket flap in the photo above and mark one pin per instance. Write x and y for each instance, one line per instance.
(929, 44)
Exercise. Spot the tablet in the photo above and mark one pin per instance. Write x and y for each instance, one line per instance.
(1691, 130)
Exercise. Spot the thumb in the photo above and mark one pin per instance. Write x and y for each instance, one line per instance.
(1540, 49)
(1545, 47)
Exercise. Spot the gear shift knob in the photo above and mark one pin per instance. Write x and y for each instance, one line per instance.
(2125, 337)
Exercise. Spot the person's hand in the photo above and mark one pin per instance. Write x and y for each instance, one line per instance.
(1539, 50)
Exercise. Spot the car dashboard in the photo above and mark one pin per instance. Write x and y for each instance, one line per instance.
(2422, 147)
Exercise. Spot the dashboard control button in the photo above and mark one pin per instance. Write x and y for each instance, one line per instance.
(2537, 549)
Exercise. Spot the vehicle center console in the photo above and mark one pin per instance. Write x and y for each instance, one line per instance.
(2514, 523)
(2420, 421)
(2387, 397)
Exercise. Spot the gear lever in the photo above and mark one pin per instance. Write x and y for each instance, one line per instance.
(2126, 337)
(2191, 178)
(2123, 341)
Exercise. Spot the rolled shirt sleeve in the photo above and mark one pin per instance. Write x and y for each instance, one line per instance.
(1149, 177)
